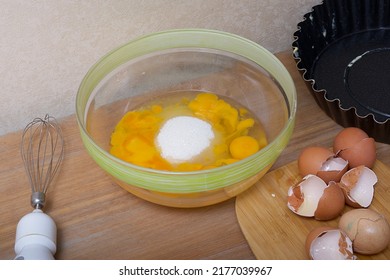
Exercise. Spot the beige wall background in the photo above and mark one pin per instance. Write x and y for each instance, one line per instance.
(46, 46)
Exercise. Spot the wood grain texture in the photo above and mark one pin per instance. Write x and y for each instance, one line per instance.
(96, 219)
(275, 232)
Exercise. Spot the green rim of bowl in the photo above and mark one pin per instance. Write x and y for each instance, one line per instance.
(195, 181)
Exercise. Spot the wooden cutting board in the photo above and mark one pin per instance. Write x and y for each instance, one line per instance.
(275, 232)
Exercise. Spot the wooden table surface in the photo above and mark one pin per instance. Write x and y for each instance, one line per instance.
(96, 219)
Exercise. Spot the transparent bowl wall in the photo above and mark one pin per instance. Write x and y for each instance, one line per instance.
(190, 60)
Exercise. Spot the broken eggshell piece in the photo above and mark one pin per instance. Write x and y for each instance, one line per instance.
(368, 230)
(312, 197)
(358, 186)
(322, 162)
(355, 146)
(331, 203)
(327, 243)
(363, 153)
(333, 169)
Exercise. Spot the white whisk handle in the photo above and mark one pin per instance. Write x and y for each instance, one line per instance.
(34, 252)
(36, 236)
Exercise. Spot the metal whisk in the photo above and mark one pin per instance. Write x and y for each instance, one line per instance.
(42, 150)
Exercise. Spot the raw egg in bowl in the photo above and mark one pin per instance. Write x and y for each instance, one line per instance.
(186, 118)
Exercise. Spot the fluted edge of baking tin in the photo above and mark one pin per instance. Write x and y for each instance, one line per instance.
(321, 18)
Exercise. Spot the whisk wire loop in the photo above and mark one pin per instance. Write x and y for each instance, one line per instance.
(42, 150)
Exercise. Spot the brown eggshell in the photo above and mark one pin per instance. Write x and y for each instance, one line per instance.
(349, 181)
(303, 197)
(349, 201)
(368, 230)
(295, 200)
(347, 138)
(331, 203)
(361, 153)
(313, 234)
(311, 159)
(332, 175)
(355, 146)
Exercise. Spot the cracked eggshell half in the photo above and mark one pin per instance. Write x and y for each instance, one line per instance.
(358, 186)
(333, 169)
(322, 162)
(312, 197)
(368, 230)
(355, 146)
(331, 203)
(328, 243)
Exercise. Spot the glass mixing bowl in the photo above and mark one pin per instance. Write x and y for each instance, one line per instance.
(186, 60)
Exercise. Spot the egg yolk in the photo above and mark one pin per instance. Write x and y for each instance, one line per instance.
(133, 139)
(243, 146)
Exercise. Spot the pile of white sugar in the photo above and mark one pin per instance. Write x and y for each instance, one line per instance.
(182, 138)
